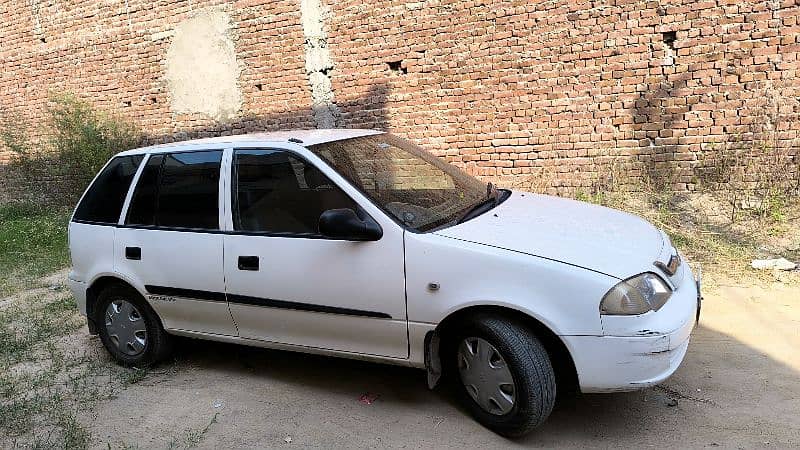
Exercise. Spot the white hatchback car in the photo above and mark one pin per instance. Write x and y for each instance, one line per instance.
(356, 243)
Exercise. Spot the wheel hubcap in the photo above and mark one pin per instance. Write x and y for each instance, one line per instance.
(126, 327)
(486, 376)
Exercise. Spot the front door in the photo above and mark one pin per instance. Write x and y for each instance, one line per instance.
(171, 244)
(288, 284)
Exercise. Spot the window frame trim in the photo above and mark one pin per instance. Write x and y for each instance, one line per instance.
(122, 223)
(123, 215)
(223, 232)
(225, 182)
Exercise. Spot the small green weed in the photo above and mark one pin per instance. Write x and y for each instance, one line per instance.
(191, 438)
(71, 147)
(46, 380)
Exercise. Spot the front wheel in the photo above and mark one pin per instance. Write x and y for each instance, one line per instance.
(129, 328)
(505, 376)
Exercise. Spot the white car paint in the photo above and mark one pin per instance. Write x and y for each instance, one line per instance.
(325, 273)
(647, 348)
(548, 258)
(89, 262)
(182, 260)
(590, 236)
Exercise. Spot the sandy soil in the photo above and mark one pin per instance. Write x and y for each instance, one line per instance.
(739, 387)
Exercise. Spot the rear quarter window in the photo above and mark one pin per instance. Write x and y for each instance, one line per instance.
(102, 202)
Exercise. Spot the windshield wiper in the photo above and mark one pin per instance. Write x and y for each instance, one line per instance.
(477, 210)
(492, 199)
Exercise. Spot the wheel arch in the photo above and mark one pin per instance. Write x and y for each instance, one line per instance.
(93, 291)
(557, 350)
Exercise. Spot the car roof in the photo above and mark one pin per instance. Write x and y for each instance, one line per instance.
(307, 137)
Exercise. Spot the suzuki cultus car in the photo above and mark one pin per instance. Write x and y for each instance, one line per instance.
(359, 244)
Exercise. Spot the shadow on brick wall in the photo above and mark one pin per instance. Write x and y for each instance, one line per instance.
(47, 182)
(657, 114)
(368, 111)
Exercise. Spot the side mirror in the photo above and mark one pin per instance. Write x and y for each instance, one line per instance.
(346, 224)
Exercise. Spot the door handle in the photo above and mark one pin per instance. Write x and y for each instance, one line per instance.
(134, 253)
(248, 263)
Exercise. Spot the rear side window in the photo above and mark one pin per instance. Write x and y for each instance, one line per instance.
(178, 190)
(102, 203)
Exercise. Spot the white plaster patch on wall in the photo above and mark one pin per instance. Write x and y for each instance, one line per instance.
(202, 71)
(319, 64)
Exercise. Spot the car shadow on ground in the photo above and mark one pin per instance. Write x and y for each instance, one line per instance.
(312, 372)
(393, 385)
(723, 384)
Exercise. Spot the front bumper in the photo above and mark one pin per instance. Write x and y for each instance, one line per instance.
(625, 360)
(616, 364)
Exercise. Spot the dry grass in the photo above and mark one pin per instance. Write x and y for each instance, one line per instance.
(700, 227)
(756, 170)
(709, 227)
(50, 373)
(751, 177)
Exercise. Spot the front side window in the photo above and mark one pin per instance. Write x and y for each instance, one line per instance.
(276, 192)
(178, 190)
(102, 203)
(417, 188)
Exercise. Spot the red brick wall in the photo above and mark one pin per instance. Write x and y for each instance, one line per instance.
(105, 52)
(505, 88)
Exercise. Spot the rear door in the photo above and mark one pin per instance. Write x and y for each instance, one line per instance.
(170, 243)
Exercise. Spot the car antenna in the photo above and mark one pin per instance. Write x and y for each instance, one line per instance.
(295, 140)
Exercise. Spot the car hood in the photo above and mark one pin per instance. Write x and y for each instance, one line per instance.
(577, 233)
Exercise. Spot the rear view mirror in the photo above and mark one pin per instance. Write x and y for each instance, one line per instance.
(345, 224)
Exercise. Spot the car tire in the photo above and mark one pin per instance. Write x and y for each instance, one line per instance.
(129, 328)
(511, 346)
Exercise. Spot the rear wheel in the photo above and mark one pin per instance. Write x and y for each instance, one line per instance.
(129, 328)
(504, 375)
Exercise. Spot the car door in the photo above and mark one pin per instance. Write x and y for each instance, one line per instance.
(288, 284)
(170, 243)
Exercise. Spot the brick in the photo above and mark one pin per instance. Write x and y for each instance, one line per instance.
(495, 86)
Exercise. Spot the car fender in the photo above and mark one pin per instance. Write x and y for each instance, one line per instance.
(445, 275)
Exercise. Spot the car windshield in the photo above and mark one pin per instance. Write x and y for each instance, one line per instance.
(417, 188)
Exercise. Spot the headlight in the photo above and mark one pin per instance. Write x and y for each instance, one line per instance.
(637, 295)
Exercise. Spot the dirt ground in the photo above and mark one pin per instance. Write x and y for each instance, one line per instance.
(739, 387)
